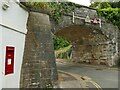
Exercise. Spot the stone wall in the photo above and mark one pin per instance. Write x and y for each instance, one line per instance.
(38, 68)
(119, 42)
(119, 46)
(108, 33)
(93, 53)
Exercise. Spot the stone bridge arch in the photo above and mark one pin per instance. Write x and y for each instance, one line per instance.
(38, 67)
(105, 35)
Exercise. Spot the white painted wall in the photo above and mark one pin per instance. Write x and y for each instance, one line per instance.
(0, 58)
(12, 38)
(14, 17)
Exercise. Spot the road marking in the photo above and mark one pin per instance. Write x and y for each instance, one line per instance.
(96, 85)
(90, 80)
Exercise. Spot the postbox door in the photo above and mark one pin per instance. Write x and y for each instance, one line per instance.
(9, 61)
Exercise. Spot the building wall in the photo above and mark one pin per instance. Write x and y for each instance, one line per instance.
(12, 33)
(0, 58)
(14, 17)
(0, 51)
(16, 40)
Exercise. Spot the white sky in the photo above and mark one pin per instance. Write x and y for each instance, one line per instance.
(82, 2)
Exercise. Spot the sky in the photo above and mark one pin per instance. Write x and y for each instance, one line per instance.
(82, 2)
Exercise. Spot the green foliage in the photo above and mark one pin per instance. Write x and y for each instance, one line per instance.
(64, 53)
(95, 4)
(111, 14)
(107, 10)
(31, 4)
(115, 4)
(49, 87)
(100, 5)
(60, 42)
(105, 4)
(56, 9)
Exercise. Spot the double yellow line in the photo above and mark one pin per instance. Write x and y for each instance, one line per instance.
(96, 85)
(91, 81)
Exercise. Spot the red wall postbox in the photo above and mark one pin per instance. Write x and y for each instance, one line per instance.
(9, 61)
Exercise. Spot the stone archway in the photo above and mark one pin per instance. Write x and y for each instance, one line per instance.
(89, 45)
(39, 68)
(102, 37)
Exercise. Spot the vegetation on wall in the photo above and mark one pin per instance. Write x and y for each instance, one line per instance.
(30, 4)
(56, 9)
(109, 10)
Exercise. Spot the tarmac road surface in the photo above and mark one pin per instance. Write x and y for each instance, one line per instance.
(106, 78)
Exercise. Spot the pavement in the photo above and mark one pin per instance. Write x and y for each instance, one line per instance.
(78, 81)
(69, 81)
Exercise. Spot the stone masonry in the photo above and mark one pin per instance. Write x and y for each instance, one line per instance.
(38, 68)
(90, 43)
(103, 43)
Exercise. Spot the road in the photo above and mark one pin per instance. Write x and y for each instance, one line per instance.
(106, 78)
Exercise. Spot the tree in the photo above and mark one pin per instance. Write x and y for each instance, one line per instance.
(60, 42)
(105, 4)
(109, 10)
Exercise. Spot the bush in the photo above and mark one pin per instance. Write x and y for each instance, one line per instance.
(111, 14)
(60, 42)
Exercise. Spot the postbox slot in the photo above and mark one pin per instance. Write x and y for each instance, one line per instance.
(10, 50)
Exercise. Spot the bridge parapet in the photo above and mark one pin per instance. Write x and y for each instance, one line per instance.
(79, 17)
